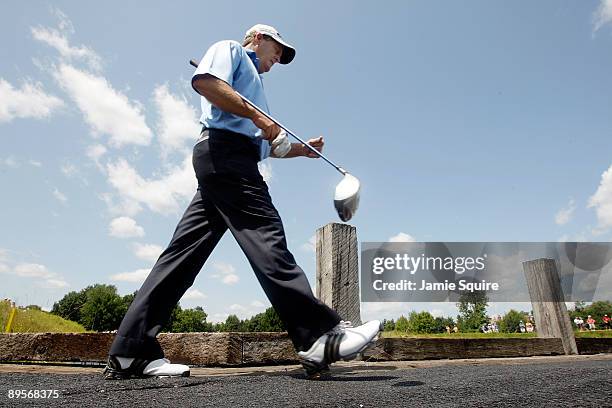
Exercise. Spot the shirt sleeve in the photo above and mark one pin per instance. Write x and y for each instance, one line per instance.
(221, 61)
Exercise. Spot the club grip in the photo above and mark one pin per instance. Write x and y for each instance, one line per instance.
(192, 62)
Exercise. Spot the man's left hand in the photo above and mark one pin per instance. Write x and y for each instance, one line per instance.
(317, 143)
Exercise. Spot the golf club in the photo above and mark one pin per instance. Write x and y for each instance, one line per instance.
(346, 198)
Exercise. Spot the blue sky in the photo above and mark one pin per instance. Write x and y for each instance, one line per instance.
(482, 121)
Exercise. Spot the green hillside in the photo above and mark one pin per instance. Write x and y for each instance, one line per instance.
(36, 321)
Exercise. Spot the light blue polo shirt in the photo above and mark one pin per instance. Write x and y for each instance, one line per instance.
(232, 63)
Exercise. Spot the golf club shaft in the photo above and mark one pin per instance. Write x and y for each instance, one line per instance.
(312, 149)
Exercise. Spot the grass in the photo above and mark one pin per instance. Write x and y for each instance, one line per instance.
(594, 333)
(36, 321)
(397, 334)
(5, 309)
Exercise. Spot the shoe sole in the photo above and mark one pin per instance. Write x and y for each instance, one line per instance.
(325, 372)
(129, 376)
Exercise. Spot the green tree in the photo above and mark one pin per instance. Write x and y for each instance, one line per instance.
(128, 299)
(190, 320)
(69, 307)
(104, 308)
(174, 316)
(402, 324)
(268, 321)
(422, 322)
(597, 310)
(388, 325)
(232, 324)
(510, 322)
(472, 311)
(440, 324)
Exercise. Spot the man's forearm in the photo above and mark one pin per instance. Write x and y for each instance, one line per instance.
(220, 94)
(297, 150)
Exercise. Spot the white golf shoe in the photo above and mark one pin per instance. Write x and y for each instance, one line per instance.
(121, 368)
(343, 342)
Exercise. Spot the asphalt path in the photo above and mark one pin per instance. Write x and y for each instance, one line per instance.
(574, 381)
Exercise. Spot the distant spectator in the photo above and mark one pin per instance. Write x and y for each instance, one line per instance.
(522, 326)
(529, 327)
(455, 329)
(579, 323)
(448, 330)
(606, 322)
(590, 322)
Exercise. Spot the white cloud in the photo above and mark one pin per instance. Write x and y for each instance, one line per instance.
(402, 237)
(121, 206)
(242, 311)
(193, 294)
(257, 304)
(61, 197)
(95, 153)
(225, 273)
(311, 245)
(106, 110)
(265, 168)
(161, 195)
(59, 41)
(65, 24)
(31, 270)
(10, 162)
(147, 252)
(69, 169)
(178, 122)
(237, 308)
(44, 277)
(4, 268)
(602, 202)
(35, 163)
(55, 283)
(564, 215)
(28, 102)
(603, 15)
(72, 172)
(137, 276)
(125, 227)
(230, 279)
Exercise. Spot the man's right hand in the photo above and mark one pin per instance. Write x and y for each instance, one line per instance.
(269, 129)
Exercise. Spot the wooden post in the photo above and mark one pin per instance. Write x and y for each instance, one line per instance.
(338, 270)
(548, 303)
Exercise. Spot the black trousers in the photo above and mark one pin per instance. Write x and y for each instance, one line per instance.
(231, 195)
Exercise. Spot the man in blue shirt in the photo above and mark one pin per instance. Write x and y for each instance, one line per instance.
(233, 195)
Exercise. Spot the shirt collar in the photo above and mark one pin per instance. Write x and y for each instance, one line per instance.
(253, 56)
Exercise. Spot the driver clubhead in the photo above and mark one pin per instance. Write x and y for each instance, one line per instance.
(346, 199)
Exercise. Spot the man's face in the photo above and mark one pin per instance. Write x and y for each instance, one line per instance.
(269, 53)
